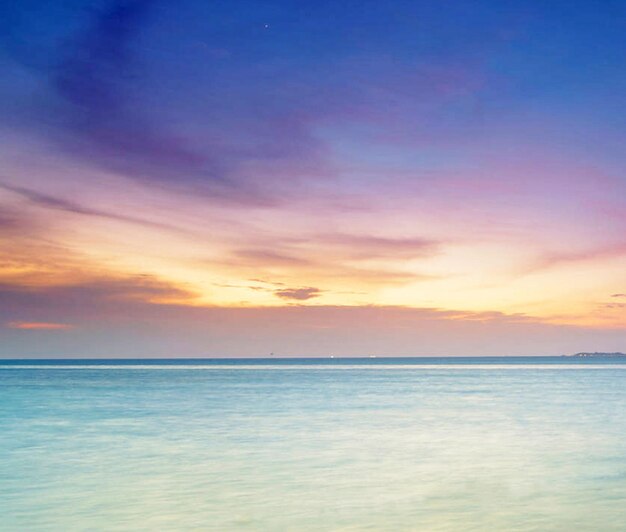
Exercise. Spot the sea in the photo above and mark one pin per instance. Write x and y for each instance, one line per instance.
(424, 444)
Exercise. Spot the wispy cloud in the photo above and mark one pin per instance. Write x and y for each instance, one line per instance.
(11, 221)
(270, 257)
(371, 246)
(95, 295)
(554, 259)
(60, 204)
(39, 326)
(298, 294)
(614, 305)
(97, 114)
(91, 81)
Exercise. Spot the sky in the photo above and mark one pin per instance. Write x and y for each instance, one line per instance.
(234, 178)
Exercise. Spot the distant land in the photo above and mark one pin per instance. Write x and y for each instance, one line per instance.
(581, 355)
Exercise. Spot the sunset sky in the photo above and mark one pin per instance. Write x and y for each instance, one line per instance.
(312, 177)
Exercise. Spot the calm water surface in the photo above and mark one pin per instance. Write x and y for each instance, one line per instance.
(370, 444)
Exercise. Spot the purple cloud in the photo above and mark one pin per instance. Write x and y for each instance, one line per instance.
(269, 257)
(98, 113)
(53, 202)
(9, 221)
(299, 294)
(99, 296)
(100, 119)
(367, 246)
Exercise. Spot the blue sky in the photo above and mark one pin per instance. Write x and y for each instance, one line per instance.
(458, 160)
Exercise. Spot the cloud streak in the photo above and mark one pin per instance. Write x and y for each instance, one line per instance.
(34, 303)
(298, 294)
(369, 246)
(100, 117)
(11, 221)
(556, 259)
(39, 326)
(60, 204)
(98, 114)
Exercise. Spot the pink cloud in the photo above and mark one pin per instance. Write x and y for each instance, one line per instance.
(556, 259)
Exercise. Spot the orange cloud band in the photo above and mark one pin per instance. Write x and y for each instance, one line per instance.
(37, 325)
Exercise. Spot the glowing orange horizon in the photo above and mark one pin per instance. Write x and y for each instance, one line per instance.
(38, 325)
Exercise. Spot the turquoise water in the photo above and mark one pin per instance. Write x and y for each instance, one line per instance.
(371, 444)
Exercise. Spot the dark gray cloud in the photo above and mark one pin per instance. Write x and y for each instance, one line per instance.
(618, 295)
